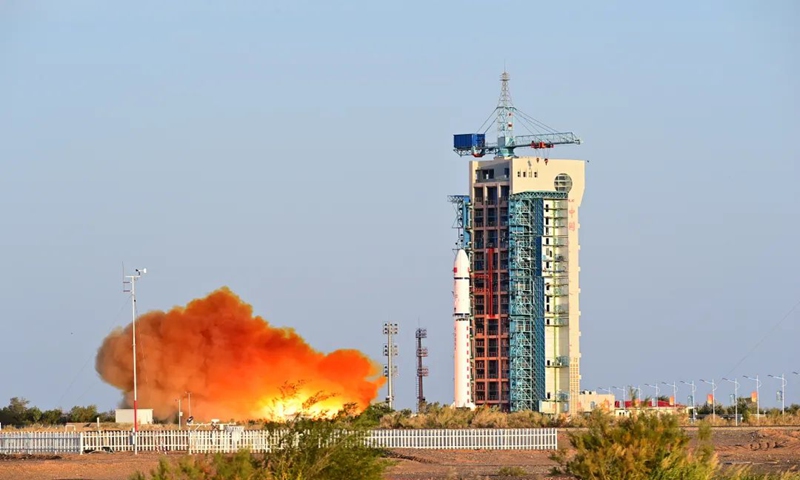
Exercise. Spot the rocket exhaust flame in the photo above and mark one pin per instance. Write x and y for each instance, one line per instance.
(236, 365)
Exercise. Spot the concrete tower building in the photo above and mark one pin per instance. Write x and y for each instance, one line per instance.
(519, 226)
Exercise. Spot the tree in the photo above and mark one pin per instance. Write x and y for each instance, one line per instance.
(644, 446)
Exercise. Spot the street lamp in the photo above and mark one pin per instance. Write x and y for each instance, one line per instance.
(674, 392)
(656, 387)
(758, 396)
(735, 398)
(783, 391)
(694, 403)
(623, 396)
(713, 396)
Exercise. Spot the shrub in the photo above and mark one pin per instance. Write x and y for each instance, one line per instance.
(647, 446)
(307, 448)
(512, 472)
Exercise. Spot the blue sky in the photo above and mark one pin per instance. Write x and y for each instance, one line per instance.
(300, 153)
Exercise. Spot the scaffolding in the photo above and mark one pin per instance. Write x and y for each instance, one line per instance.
(463, 222)
(532, 236)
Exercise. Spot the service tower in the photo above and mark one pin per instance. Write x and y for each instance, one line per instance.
(519, 228)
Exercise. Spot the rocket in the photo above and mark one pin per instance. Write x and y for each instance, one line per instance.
(461, 320)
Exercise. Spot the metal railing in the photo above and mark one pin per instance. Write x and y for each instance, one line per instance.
(201, 441)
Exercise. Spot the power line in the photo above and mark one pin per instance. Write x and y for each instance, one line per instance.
(788, 314)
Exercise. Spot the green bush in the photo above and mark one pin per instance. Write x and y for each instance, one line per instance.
(647, 446)
(306, 449)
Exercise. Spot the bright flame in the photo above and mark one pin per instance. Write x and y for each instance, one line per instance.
(234, 365)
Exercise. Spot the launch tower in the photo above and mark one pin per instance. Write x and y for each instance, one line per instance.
(519, 228)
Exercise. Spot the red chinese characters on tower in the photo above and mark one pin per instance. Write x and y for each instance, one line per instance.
(571, 224)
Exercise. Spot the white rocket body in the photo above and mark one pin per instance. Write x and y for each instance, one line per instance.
(461, 317)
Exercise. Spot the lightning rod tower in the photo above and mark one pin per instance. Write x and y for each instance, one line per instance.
(390, 369)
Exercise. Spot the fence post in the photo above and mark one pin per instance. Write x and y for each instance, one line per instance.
(80, 443)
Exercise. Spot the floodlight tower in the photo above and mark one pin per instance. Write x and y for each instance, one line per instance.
(129, 285)
(390, 369)
(422, 370)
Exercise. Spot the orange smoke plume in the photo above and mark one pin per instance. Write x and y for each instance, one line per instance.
(235, 365)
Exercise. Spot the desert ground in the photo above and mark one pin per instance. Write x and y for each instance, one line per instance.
(775, 449)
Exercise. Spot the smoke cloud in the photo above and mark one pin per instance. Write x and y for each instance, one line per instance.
(235, 365)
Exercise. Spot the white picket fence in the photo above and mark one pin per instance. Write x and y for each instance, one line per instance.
(205, 441)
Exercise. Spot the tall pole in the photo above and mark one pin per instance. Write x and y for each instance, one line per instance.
(782, 378)
(713, 396)
(623, 396)
(179, 413)
(758, 395)
(674, 386)
(132, 282)
(422, 370)
(189, 394)
(694, 402)
(735, 383)
(390, 370)
(655, 385)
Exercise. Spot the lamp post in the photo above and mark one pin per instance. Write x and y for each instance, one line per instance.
(783, 391)
(694, 403)
(189, 394)
(735, 398)
(758, 396)
(674, 392)
(623, 396)
(713, 396)
(656, 387)
(132, 281)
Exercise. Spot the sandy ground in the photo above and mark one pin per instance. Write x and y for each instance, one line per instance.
(765, 449)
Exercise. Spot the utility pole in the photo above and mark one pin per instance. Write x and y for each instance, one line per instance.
(422, 371)
(782, 378)
(390, 370)
(132, 282)
(693, 401)
(735, 383)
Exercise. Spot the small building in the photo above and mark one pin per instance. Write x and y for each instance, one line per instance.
(143, 415)
(589, 400)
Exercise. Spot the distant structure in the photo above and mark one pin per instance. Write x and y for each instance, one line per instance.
(126, 415)
(422, 370)
(390, 369)
(519, 229)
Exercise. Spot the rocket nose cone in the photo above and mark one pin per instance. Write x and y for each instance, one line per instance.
(461, 263)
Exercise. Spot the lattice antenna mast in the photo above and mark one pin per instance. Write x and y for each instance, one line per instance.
(505, 119)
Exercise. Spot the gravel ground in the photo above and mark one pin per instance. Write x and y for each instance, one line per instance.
(765, 449)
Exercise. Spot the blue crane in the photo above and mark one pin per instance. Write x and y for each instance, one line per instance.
(475, 143)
